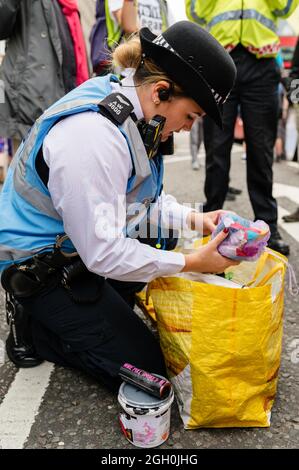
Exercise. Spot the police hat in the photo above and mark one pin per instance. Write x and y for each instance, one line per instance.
(195, 60)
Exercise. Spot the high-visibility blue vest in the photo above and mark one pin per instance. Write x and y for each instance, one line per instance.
(29, 222)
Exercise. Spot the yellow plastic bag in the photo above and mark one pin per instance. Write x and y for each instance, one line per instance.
(222, 345)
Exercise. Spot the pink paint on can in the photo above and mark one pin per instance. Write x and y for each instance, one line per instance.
(145, 419)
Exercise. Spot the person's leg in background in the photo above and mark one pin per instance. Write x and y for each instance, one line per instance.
(294, 216)
(196, 138)
(259, 107)
(279, 148)
(218, 145)
(238, 138)
(279, 143)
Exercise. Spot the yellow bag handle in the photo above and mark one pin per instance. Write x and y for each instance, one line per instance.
(148, 293)
(259, 269)
(283, 266)
(270, 274)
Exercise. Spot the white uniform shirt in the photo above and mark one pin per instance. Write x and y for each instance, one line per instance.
(149, 14)
(90, 164)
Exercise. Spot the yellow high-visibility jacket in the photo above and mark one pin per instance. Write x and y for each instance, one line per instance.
(252, 23)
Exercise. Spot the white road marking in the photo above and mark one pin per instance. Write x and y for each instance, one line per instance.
(293, 165)
(182, 158)
(285, 190)
(182, 155)
(21, 403)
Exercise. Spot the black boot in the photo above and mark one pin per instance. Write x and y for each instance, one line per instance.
(276, 243)
(19, 346)
(234, 191)
(230, 197)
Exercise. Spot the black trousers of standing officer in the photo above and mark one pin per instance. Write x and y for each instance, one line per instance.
(256, 94)
(96, 337)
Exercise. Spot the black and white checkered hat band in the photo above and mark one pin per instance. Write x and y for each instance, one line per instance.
(161, 41)
(218, 98)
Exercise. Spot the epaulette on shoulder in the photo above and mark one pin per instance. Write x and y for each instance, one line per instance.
(116, 107)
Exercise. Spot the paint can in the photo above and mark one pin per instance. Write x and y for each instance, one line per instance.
(145, 420)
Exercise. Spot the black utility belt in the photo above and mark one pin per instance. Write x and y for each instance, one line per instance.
(29, 278)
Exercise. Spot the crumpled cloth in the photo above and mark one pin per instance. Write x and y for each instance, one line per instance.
(245, 241)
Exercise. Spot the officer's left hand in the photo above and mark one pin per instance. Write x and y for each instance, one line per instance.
(210, 221)
(204, 223)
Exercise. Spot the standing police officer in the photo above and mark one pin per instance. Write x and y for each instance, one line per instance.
(247, 29)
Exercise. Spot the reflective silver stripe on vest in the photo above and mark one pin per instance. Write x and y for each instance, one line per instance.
(67, 106)
(9, 254)
(142, 171)
(15, 158)
(246, 15)
(37, 199)
(140, 157)
(283, 11)
(194, 15)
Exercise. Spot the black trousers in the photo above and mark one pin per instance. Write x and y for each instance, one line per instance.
(255, 94)
(98, 337)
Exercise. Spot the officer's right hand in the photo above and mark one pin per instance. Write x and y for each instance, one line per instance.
(207, 259)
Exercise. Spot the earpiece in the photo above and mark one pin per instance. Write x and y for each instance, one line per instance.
(164, 94)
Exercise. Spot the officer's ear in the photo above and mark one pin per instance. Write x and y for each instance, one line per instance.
(162, 91)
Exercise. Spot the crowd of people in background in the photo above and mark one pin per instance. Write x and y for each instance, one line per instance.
(46, 57)
(116, 19)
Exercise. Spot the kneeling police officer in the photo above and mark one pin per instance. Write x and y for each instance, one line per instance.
(83, 183)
